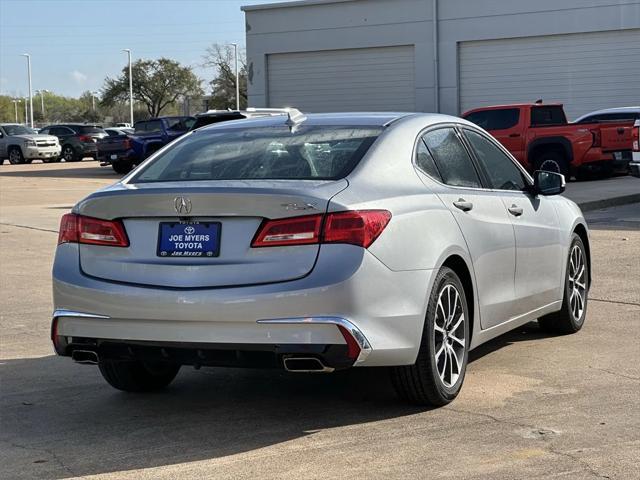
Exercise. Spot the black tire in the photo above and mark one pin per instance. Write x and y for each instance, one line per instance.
(122, 167)
(15, 156)
(421, 382)
(566, 321)
(552, 161)
(135, 376)
(69, 154)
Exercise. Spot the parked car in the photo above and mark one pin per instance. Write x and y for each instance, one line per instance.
(610, 114)
(153, 134)
(318, 243)
(634, 166)
(540, 138)
(78, 140)
(123, 125)
(216, 116)
(20, 145)
(115, 150)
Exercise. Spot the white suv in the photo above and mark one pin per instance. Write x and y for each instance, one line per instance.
(20, 145)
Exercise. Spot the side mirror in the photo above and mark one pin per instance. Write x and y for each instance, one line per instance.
(548, 183)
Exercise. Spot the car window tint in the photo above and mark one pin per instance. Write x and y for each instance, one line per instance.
(502, 173)
(498, 119)
(425, 161)
(309, 152)
(453, 161)
(153, 126)
(548, 115)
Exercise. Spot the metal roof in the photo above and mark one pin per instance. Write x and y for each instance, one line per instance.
(296, 3)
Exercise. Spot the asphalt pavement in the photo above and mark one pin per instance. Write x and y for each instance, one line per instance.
(533, 405)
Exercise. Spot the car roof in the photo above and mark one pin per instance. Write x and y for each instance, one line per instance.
(373, 119)
(611, 110)
(514, 105)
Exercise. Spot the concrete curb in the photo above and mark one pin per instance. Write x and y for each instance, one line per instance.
(609, 202)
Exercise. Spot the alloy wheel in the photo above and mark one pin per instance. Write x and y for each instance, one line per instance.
(14, 157)
(577, 282)
(449, 330)
(550, 165)
(68, 154)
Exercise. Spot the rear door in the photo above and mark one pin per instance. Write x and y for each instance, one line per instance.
(483, 221)
(535, 222)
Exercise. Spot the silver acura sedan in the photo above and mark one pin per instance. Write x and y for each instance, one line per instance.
(318, 243)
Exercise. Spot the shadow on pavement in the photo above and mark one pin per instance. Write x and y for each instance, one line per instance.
(60, 418)
(69, 171)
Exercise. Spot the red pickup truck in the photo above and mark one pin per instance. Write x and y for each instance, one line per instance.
(540, 138)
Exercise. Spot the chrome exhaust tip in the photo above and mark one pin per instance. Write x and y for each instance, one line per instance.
(305, 365)
(86, 357)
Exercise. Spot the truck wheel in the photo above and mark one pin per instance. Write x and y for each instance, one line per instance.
(437, 375)
(122, 167)
(136, 376)
(553, 162)
(69, 154)
(576, 291)
(15, 156)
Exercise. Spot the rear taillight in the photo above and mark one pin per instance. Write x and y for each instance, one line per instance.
(94, 231)
(597, 138)
(289, 231)
(357, 227)
(126, 143)
(636, 139)
(353, 349)
(85, 138)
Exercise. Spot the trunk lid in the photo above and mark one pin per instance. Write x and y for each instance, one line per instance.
(239, 207)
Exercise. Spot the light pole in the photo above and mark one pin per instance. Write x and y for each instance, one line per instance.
(235, 49)
(93, 100)
(26, 113)
(128, 50)
(41, 93)
(15, 106)
(30, 92)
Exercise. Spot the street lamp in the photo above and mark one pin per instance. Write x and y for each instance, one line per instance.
(26, 114)
(235, 49)
(15, 106)
(93, 100)
(130, 86)
(41, 93)
(30, 92)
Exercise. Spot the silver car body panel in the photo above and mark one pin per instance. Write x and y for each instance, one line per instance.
(516, 265)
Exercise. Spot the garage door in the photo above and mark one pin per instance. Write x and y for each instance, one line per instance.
(586, 71)
(362, 79)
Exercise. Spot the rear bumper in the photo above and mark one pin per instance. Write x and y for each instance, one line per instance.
(383, 310)
(106, 157)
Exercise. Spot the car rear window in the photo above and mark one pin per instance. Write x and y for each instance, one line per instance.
(499, 119)
(89, 129)
(180, 124)
(306, 153)
(547, 115)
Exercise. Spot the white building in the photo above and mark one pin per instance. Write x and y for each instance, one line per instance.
(336, 55)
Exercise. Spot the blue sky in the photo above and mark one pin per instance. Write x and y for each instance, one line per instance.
(74, 44)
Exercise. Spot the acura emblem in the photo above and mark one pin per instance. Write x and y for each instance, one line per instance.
(182, 205)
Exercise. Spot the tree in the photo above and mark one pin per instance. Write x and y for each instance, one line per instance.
(156, 83)
(221, 58)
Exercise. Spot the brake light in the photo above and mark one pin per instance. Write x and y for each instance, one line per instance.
(353, 349)
(85, 138)
(94, 231)
(126, 143)
(597, 138)
(636, 139)
(356, 227)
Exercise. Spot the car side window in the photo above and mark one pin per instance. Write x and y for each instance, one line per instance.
(451, 158)
(154, 126)
(45, 131)
(502, 173)
(425, 162)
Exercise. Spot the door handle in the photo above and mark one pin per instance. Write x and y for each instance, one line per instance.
(514, 135)
(463, 205)
(515, 210)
